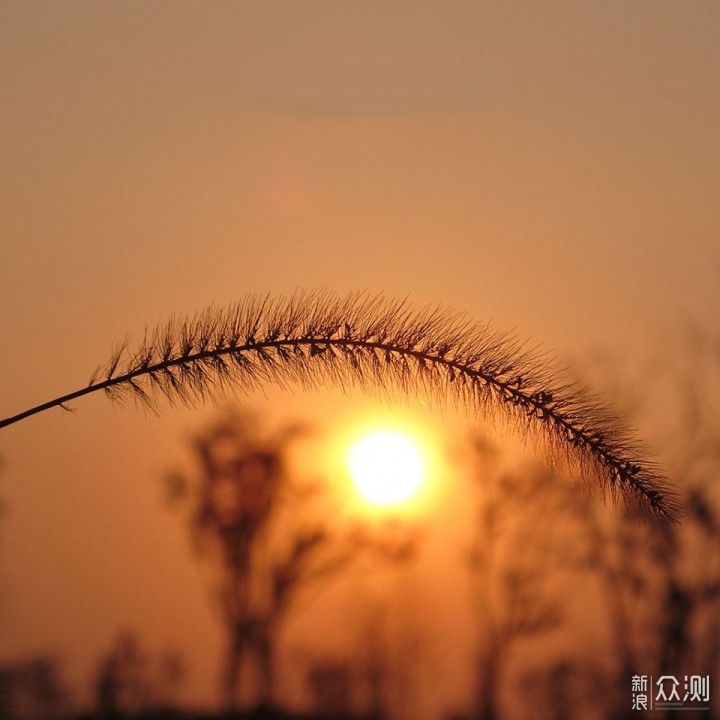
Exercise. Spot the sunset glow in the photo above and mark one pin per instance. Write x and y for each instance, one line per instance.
(386, 468)
(404, 322)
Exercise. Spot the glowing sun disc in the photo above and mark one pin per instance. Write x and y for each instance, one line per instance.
(386, 468)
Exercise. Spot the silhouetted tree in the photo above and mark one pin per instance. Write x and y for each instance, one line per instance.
(121, 685)
(665, 581)
(565, 689)
(129, 680)
(33, 690)
(522, 540)
(252, 521)
(659, 585)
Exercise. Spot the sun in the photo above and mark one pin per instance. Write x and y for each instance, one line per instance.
(386, 468)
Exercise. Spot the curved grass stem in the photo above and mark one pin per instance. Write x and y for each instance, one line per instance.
(318, 340)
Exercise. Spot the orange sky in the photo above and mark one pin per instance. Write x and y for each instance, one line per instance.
(552, 167)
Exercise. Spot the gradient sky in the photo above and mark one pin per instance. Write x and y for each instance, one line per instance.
(552, 167)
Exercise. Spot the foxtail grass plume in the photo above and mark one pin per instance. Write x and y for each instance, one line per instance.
(317, 339)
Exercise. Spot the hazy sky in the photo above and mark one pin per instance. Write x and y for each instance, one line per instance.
(552, 167)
